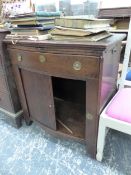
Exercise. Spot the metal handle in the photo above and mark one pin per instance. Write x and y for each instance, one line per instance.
(42, 58)
(77, 65)
(19, 58)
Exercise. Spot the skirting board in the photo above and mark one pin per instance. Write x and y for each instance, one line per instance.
(14, 119)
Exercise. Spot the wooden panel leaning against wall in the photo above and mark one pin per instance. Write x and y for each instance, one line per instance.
(9, 100)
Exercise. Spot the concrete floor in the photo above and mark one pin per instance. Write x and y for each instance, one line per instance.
(32, 151)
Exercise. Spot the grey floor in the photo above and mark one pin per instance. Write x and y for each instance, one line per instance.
(32, 151)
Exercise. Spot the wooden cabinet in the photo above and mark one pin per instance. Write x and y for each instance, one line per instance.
(63, 86)
(9, 100)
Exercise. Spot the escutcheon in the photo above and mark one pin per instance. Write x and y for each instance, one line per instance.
(19, 58)
(77, 65)
(42, 58)
(89, 116)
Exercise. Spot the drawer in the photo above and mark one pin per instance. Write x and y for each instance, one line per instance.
(5, 101)
(70, 66)
(3, 85)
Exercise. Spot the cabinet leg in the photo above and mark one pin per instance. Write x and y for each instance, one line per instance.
(28, 121)
(91, 149)
(92, 115)
(27, 118)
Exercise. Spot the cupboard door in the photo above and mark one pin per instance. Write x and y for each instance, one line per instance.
(39, 96)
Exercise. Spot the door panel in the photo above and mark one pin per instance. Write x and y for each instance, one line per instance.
(39, 96)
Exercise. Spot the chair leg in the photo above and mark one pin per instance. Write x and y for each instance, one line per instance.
(101, 140)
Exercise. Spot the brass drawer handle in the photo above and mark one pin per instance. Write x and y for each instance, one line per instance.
(42, 58)
(77, 65)
(19, 58)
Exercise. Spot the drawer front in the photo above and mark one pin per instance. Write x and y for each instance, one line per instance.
(81, 67)
(5, 102)
(3, 85)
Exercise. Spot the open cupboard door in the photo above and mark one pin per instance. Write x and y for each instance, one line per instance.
(39, 96)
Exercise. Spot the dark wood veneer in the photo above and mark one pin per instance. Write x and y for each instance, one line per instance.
(9, 100)
(53, 90)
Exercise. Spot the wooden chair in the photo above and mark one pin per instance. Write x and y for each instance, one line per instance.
(116, 115)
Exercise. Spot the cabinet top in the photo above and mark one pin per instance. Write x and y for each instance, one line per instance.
(114, 12)
(102, 45)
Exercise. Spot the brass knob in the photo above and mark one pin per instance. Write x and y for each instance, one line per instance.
(89, 116)
(77, 65)
(42, 58)
(19, 58)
